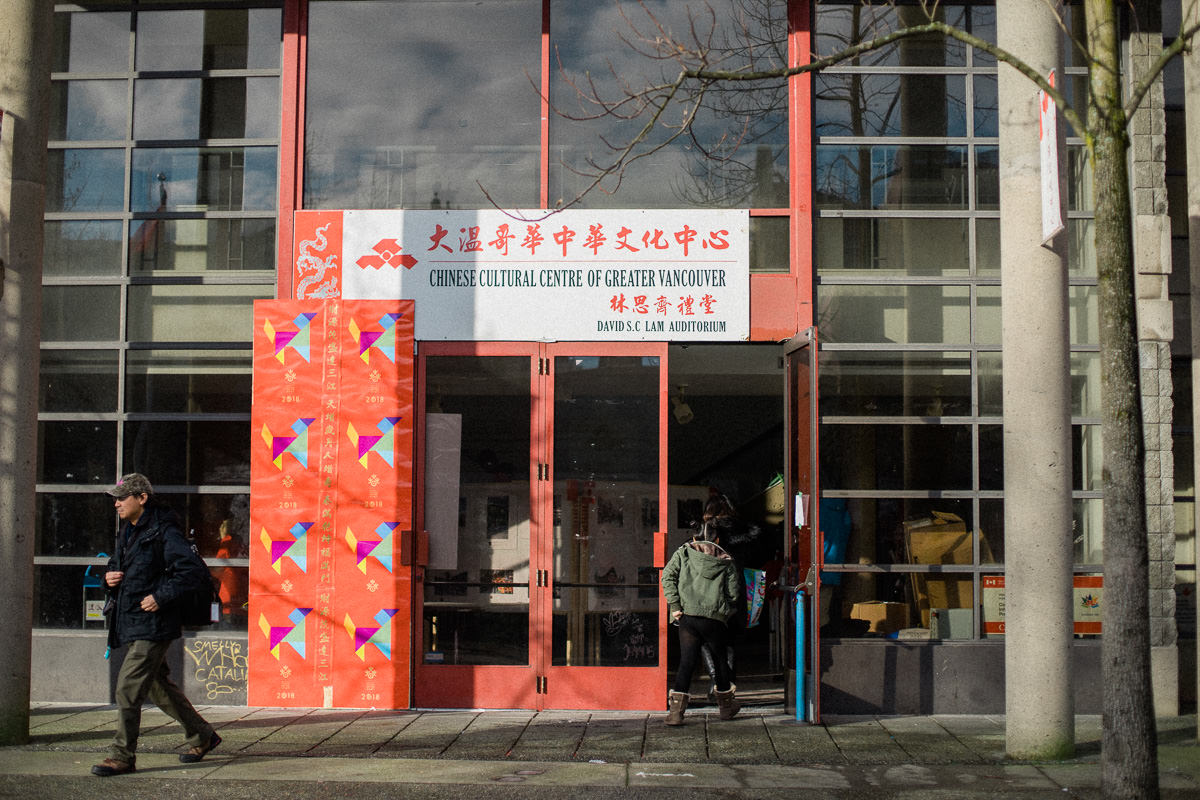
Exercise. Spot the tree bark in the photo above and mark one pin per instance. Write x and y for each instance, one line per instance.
(1129, 759)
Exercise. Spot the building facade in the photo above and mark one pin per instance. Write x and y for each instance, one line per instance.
(860, 366)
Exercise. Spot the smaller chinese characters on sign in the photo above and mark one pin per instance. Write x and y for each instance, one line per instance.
(604, 275)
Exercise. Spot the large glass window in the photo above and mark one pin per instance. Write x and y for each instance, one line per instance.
(906, 241)
(160, 222)
(426, 104)
(735, 153)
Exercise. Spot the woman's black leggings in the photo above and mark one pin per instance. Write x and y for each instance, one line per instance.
(694, 632)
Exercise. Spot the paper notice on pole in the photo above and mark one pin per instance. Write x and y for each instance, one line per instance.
(1052, 221)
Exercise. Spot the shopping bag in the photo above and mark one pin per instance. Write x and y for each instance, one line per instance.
(756, 593)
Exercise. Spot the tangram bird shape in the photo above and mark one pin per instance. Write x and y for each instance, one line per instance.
(295, 445)
(380, 635)
(297, 340)
(293, 634)
(384, 444)
(380, 550)
(384, 341)
(295, 548)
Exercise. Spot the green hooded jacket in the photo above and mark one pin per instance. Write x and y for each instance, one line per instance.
(701, 580)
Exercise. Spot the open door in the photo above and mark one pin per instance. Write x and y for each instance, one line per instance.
(803, 543)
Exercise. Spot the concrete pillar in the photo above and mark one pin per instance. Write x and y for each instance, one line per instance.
(25, 36)
(1039, 697)
(1191, 95)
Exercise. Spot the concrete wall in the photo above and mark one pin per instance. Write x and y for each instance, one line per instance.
(69, 667)
(873, 677)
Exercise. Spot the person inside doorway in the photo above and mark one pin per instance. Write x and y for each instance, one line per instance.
(702, 588)
(152, 565)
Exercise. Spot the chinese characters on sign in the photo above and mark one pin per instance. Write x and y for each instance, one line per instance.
(662, 275)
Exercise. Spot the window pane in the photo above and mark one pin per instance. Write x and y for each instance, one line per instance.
(1081, 246)
(193, 313)
(92, 42)
(892, 246)
(736, 153)
(903, 314)
(203, 179)
(62, 595)
(87, 110)
(991, 523)
(890, 105)
(197, 245)
(1080, 180)
(987, 315)
(1087, 458)
(75, 524)
(78, 380)
(85, 180)
(895, 457)
(77, 452)
(191, 381)
(1084, 314)
(891, 176)
(770, 249)
(213, 39)
(220, 522)
(400, 116)
(82, 248)
(987, 178)
(987, 103)
(895, 384)
(991, 457)
(214, 108)
(189, 453)
(81, 313)
(842, 26)
(1088, 519)
(1085, 385)
(987, 246)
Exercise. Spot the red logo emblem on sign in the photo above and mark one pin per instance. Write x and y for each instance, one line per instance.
(389, 253)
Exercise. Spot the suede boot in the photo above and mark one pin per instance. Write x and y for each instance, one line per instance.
(677, 703)
(727, 703)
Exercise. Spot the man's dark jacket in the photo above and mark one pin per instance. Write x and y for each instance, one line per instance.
(157, 560)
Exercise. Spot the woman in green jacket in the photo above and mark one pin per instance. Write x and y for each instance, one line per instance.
(702, 587)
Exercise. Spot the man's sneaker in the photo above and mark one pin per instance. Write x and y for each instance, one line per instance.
(110, 766)
(200, 751)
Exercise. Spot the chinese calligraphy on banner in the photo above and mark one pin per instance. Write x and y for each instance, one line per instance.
(595, 275)
(331, 492)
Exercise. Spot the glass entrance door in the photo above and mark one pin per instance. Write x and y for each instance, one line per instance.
(542, 503)
(608, 501)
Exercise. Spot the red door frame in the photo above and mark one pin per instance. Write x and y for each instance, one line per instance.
(538, 684)
(615, 688)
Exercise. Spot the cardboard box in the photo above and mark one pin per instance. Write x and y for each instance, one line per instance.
(884, 617)
(942, 538)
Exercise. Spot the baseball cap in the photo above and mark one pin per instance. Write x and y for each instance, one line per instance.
(133, 483)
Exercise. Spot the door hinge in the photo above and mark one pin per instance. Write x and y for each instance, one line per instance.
(541, 685)
(543, 578)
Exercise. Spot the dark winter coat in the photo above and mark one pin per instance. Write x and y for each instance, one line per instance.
(157, 560)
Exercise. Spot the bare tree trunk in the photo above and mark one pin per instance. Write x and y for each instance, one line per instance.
(1129, 760)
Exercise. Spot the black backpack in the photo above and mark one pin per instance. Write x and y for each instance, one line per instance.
(201, 605)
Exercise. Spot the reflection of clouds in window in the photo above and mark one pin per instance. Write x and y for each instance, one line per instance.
(166, 109)
(375, 138)
(736, 150)
(214, 178)
(94, 110)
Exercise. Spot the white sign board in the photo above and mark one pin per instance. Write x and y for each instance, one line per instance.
(487, 275)
(1052, 222)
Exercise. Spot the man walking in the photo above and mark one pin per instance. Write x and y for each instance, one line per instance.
(152, 565)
